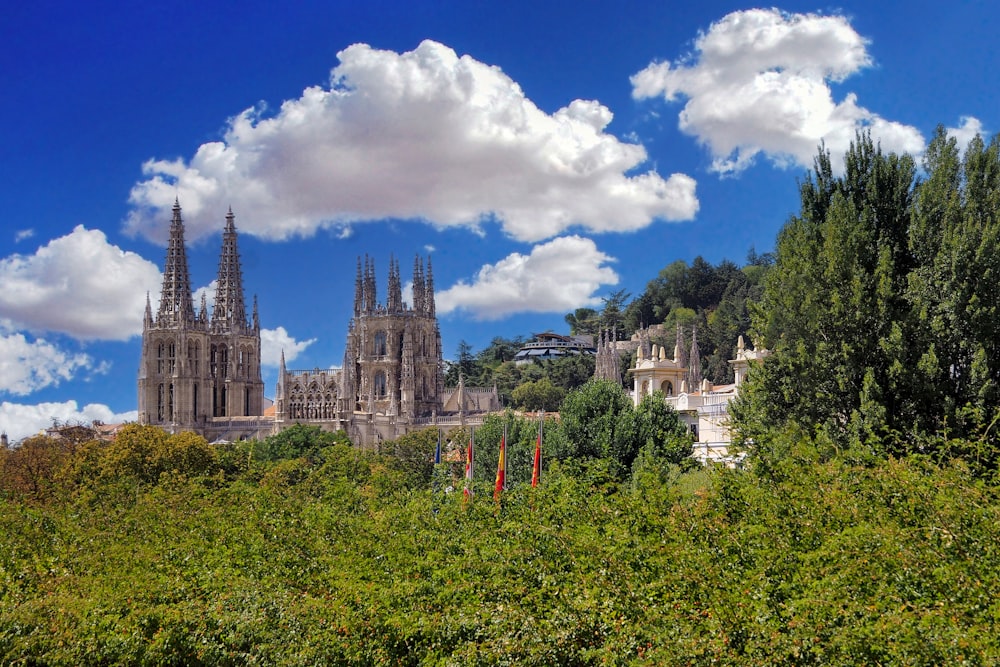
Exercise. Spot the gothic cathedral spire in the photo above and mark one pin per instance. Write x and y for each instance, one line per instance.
(429, 286)
(230, 313)
(176, 305)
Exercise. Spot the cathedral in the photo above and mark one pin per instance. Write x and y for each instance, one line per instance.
(202, 373)
(197, 368)
(392, 378)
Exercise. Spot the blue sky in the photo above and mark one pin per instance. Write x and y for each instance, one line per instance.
(543, 154)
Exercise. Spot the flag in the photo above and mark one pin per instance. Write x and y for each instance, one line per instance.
(469, 459)
(536, 468)
(501, 482)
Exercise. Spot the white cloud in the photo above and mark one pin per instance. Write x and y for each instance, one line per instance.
(80, 285)
(27, 366)
(758, 83)
(557, 276)
(19, 421)
(208, 291)
(424, 135)
(969, 127)
(274, 341)
(23, 234)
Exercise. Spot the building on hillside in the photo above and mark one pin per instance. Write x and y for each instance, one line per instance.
(201, 372)
(551, 345)
(702, 405)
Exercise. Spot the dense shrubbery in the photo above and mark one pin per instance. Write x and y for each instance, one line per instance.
(352, 557)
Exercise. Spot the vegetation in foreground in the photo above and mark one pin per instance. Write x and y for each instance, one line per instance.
(159, 550)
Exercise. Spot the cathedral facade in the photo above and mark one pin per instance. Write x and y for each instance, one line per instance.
(392, 378)
(197, 370)
(202, 373)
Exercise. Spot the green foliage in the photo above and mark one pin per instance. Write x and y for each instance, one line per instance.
(298, 441)
(539, 395)
(591, 421)
(660, 431)
(880, 309)
(826, 559)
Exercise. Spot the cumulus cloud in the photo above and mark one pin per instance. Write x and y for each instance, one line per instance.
(29, 365)
(79, 285)
(969, 127)
(19, 421)
(758, 83)
(557, 276)
(274, 341)
(423, 135)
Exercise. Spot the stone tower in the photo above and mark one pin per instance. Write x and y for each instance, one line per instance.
(194, 369)
(392, 359)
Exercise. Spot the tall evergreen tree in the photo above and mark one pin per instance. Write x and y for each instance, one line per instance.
(881, 308)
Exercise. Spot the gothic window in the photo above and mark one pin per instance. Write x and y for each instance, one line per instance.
(381, 388)
(194, 402)
(667, 388)
(380, 344)
(224, 360)
(170, 402)
(246, 402)
(193, 357)
(160, 349)
(214, 361)
(240, 361)
(171, 357)
(159, 403)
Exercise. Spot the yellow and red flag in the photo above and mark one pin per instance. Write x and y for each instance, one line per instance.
(501, 482)
(536, 467)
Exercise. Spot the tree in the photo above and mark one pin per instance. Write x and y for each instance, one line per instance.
(298, 441)
(879, 308)
(613, 312)
(539, 395)
(660, 431)
(583, 321)
(592, 421)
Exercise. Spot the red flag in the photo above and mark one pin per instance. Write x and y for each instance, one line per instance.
(501, 467)
(469, 460)
(536, 468)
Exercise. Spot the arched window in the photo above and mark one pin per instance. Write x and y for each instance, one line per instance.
(380, 344)
(667, 388)
(170, 402)
(193, 354)
(645, 388)
(171, 357)
(381, 387)
(159, 403)
(160, 353)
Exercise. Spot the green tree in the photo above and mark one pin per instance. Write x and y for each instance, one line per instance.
(298, 441)
(583, 321)
(539, 395)
(879, 308)
(660, 431)
(592, 420)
